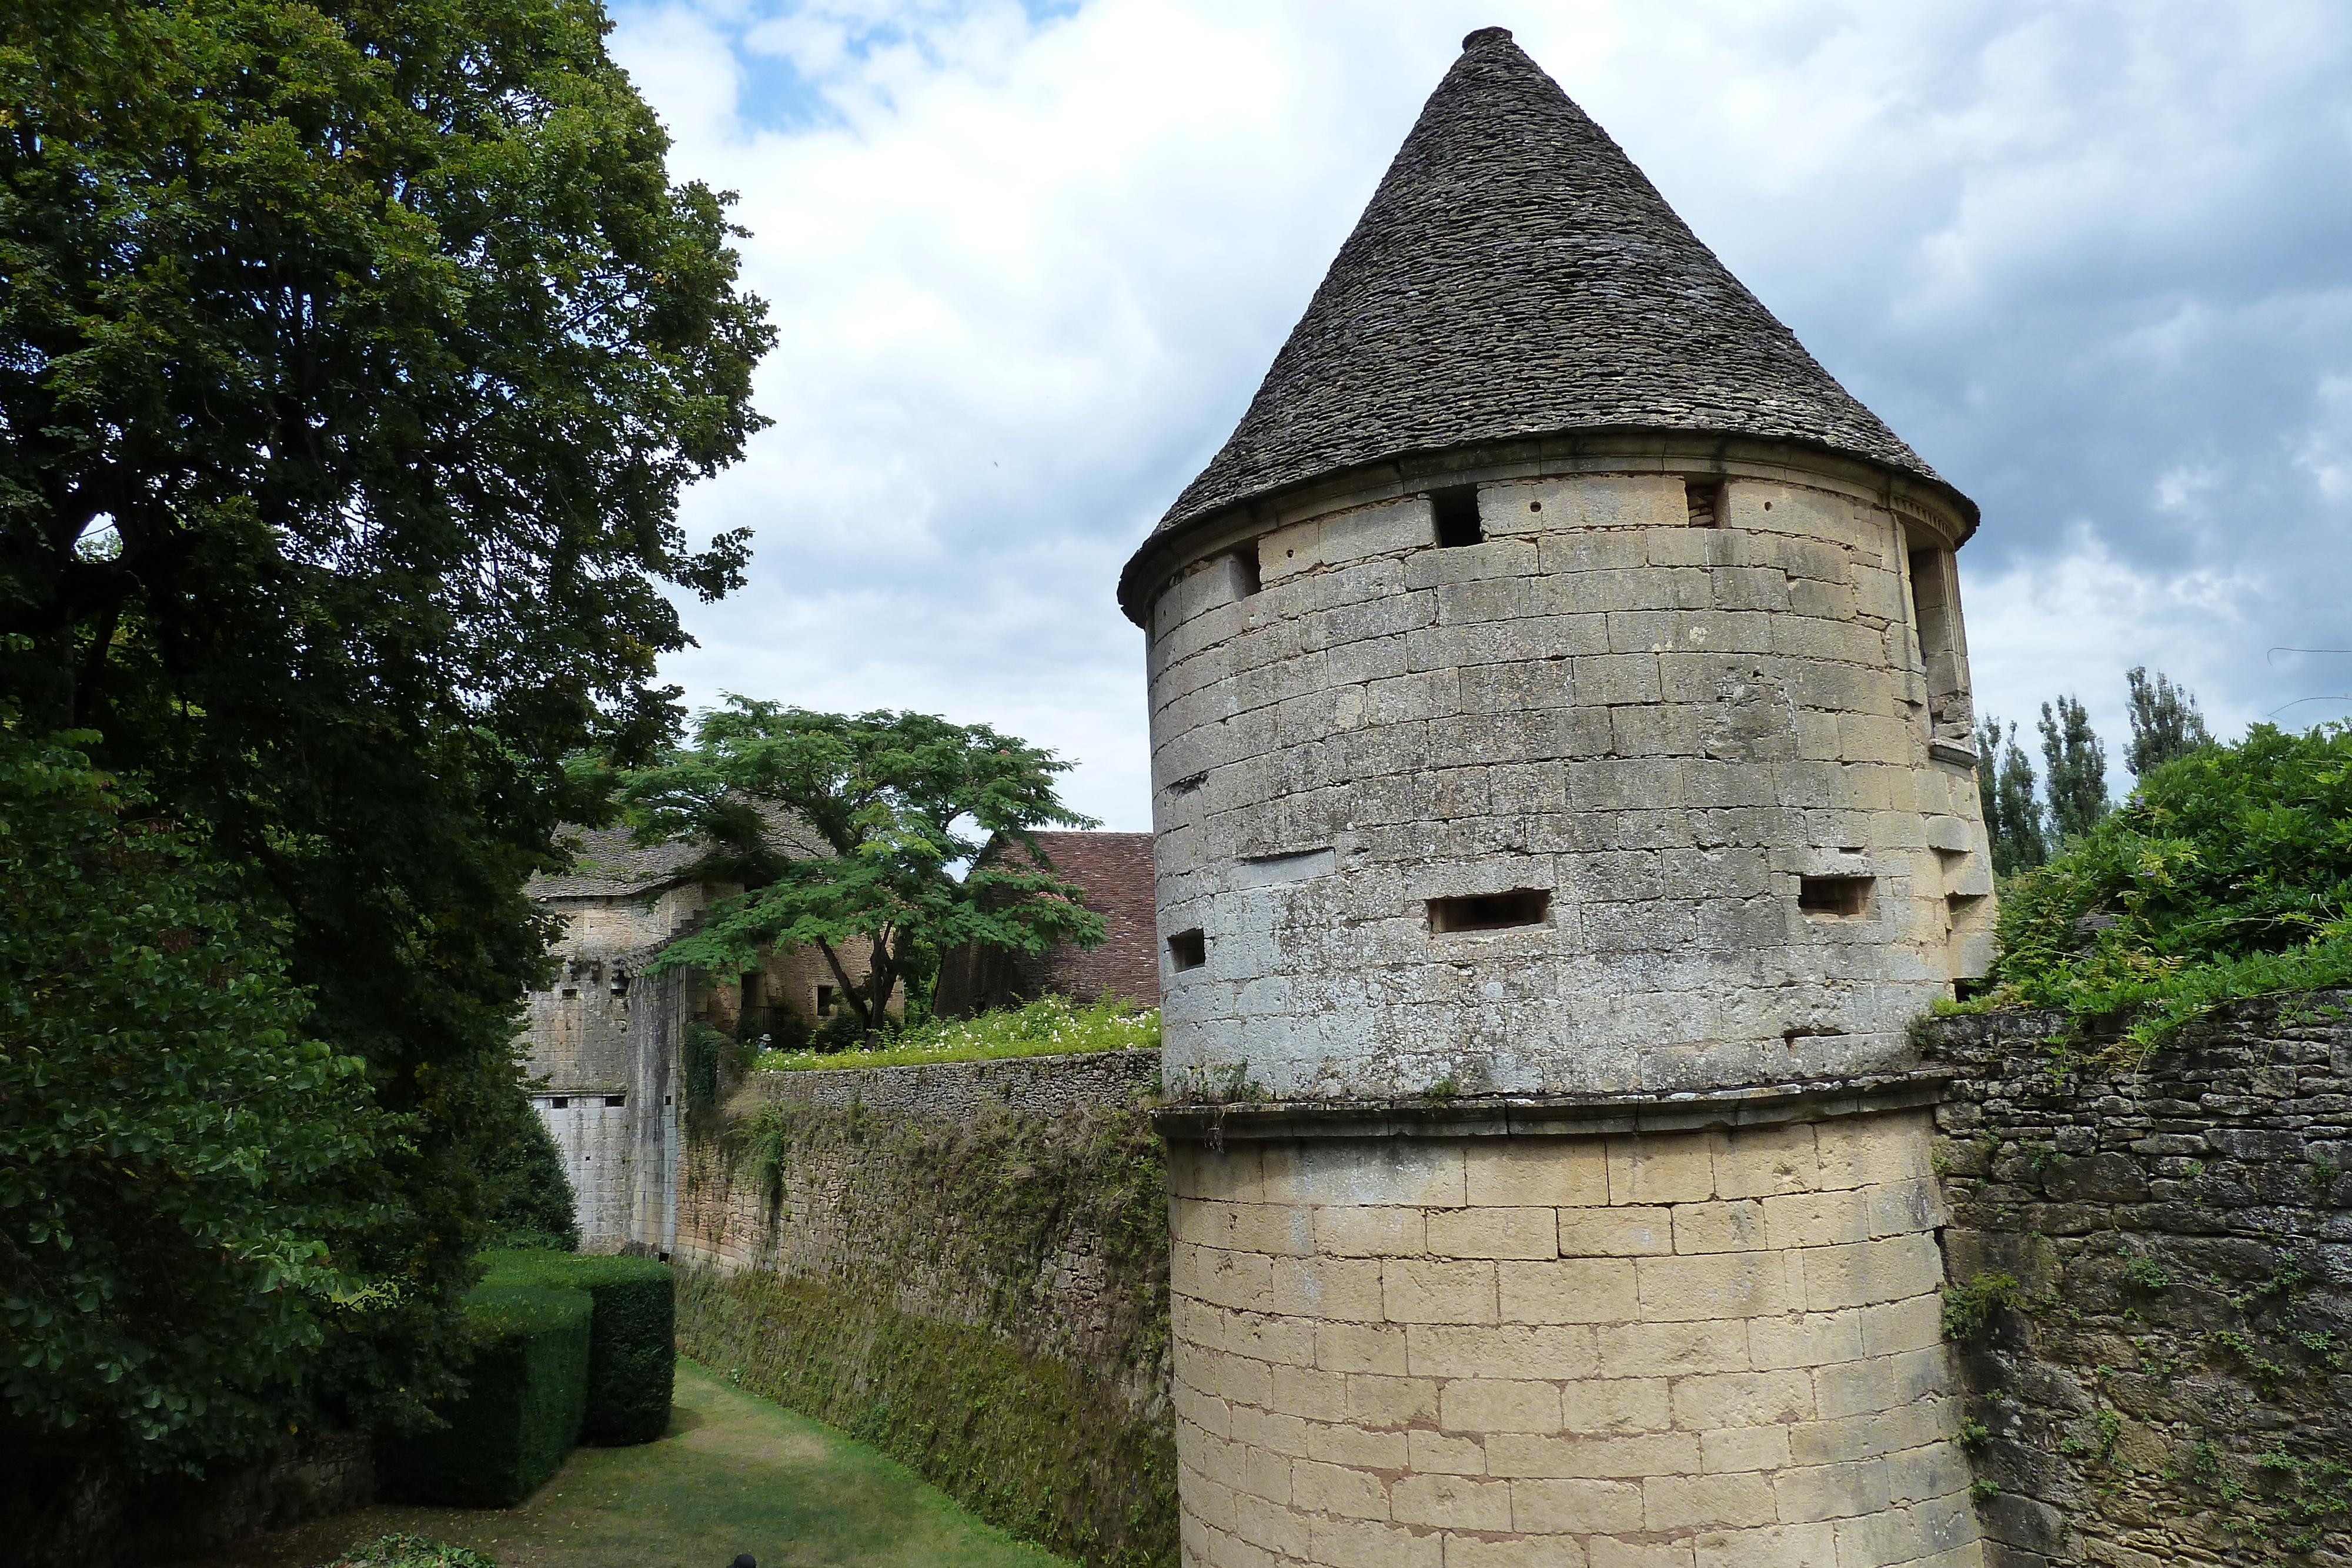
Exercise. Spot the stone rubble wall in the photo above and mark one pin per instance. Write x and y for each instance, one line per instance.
(2168, 1381)
(964, 1264)
(1677, 1348)
(855, 1212)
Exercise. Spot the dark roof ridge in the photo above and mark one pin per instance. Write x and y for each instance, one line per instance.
(1515, 274)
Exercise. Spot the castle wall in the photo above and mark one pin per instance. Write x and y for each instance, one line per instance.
(2157, 1252)
(1694, 1349)
(1683, 706)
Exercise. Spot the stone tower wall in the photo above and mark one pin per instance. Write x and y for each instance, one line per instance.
(1672, 682)
(1682, 1350)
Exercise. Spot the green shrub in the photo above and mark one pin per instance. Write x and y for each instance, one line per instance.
(632, 1338)
(2227, 874)
(403, 1551)
(1050, 1026)
(521, 1414)
(530, 1198)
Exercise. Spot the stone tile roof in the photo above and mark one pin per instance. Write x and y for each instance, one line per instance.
(610, 864)
(1515, 274)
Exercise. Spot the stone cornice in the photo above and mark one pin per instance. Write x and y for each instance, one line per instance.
(1581, 1115)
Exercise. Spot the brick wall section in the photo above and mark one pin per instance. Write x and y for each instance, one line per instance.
(2183, 1226)
(1115, 871)
(1678, 1351)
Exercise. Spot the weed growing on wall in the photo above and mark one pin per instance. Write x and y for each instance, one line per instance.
(1050, 1026)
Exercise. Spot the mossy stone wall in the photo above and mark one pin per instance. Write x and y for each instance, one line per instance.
(2152, 1279)
(974, 1277)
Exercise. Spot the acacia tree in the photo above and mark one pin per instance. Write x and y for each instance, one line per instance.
(352, 354)
(896, 800)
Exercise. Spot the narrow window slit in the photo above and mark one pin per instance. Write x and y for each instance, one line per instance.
(1456, 513)
(1704, 499)
(1189, 949)
(1489, 911)
(1836, 897)
(1242, 570)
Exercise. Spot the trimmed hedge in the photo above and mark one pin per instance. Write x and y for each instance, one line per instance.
(632, 1339)
(526, 1394)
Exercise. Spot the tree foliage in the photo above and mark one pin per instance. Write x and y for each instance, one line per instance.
(352, 354)
(2012, 816)
(2075, 764)
(2165, 723)
(896, 800)
(184, 1171)
(529, 1199)
(2228, 872)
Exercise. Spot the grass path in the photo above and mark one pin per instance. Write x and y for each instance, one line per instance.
(735, 1474)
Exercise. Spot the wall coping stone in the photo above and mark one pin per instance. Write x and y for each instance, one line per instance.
(1031, 1083)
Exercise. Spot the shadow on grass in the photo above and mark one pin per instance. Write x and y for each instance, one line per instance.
(734, 1474)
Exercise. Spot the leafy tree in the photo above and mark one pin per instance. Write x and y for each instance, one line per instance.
(352, 358)
(2165, 723)
(896, 800)
(2228, 872)
(530, 1200)
(2005, 787)
(185, 1173)
(2076, 764)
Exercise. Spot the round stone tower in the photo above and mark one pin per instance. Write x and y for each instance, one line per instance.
(1565, 799)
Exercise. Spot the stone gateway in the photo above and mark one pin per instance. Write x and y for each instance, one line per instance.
(1565, 801)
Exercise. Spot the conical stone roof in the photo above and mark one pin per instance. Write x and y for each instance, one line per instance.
(1516, 276)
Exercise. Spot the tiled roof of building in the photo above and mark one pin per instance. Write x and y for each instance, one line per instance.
(1515, 274)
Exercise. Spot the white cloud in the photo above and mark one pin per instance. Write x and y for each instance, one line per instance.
(1029, 263)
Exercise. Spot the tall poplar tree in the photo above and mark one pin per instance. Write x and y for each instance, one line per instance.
(2013, 815)
(353, 356)
(2165, 723)
(2075, 769)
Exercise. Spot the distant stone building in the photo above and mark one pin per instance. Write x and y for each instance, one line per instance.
(1115, 869)
(1565, 800)
(608, 1039)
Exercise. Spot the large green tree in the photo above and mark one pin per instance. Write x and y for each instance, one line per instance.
(896, 802)
(352, 354)
(185, 1173)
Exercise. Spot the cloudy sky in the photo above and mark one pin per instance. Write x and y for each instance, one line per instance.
(2093, 260)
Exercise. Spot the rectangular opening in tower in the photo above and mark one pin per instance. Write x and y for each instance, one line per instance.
(1489, 911)
(1242, 570)
(1455, 512)
(1943, 655)
(1834, 897)
(1187, 949)
(1705, 500)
